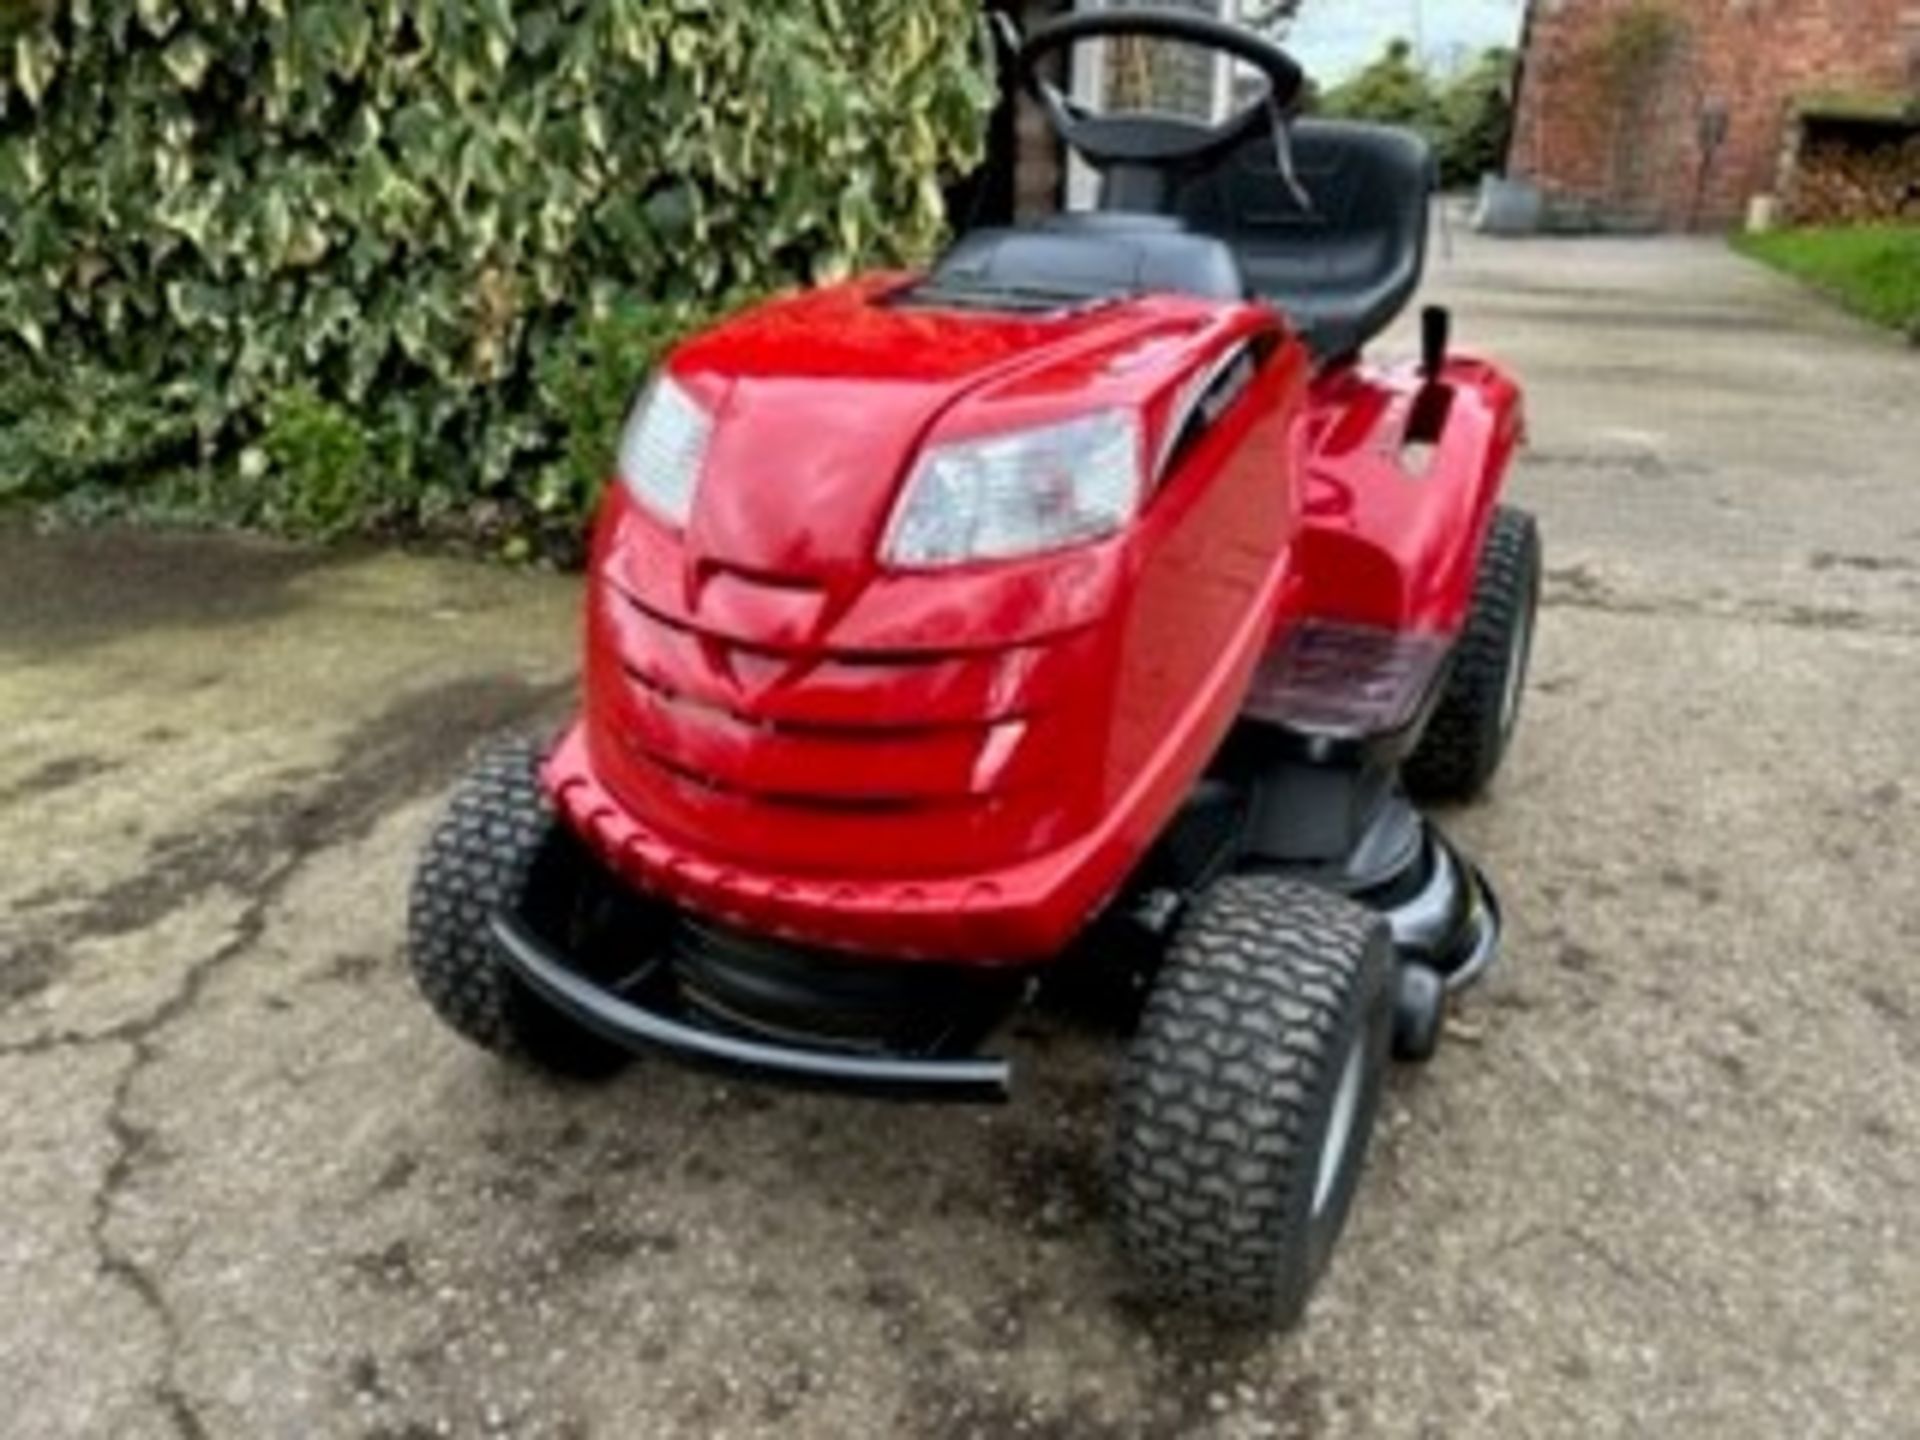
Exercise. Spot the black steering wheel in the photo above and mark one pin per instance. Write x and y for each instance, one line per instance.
(1144, 138)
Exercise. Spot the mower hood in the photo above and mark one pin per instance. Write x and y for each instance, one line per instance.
(774, 714)
(821, 403)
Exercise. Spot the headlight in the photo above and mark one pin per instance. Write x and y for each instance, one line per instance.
(662, 449)
(1019, 493)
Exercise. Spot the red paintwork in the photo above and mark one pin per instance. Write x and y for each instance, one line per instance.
(1385, 544)
(966, 763)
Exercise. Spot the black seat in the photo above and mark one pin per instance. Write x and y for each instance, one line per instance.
(1342, 271)
(1090, 256)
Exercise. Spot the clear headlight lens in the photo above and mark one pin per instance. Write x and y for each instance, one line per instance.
(662, 449)
(1019, 493)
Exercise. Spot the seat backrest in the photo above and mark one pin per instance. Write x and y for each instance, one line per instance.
(1345, 268)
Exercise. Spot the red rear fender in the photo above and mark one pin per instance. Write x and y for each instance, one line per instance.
(1401, 482)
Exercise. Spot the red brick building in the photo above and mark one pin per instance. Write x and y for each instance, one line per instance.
(1676, 113)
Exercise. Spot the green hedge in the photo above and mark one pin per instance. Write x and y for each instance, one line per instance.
(325, 263)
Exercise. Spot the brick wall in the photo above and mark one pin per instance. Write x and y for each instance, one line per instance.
(1641, 153)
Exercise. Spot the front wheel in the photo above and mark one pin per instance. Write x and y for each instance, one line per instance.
(1250, 1093)
(1479, 709)
(499, 847)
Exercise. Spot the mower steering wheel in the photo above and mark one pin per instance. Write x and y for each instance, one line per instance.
(1142, 137)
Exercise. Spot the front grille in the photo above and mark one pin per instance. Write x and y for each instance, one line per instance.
(851, 761)
(848, 733)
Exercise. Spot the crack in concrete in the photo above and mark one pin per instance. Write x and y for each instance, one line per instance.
(133, 1142)
(401, 752)
(274, 839)
(1581, 591)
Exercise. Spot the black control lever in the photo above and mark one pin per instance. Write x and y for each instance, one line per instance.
(1436, 333)
(1433, 401)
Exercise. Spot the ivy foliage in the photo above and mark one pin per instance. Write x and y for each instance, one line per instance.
(395, 261)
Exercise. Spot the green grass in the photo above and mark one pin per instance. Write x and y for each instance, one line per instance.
(1873, 270)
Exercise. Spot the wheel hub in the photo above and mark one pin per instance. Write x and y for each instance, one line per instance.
(1340, 1124)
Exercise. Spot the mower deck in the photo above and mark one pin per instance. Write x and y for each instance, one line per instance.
(908, 1029)
(1451, 923)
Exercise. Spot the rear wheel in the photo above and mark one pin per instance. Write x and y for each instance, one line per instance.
(1250, 1093)
(499, 847)
(1474, 722)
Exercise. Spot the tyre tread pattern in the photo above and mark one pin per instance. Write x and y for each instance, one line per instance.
(1218, 1106)
(1463, 745)
(478, 861)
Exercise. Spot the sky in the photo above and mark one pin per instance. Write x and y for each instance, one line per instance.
(1333, 38)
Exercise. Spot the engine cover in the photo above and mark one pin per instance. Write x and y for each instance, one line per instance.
(777, 713)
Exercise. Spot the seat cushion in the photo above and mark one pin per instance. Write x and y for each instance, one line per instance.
(1094, 256)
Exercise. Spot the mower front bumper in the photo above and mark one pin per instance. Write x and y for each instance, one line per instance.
(627, 1024)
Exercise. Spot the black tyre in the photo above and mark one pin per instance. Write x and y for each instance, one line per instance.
(1474, 722)
(500, 847)
(1249, 1095)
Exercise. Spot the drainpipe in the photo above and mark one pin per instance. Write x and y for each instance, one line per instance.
(1711, 128)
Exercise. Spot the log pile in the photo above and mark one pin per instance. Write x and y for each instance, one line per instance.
(1855, 174)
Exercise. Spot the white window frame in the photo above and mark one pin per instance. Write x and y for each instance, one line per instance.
(1088, 86)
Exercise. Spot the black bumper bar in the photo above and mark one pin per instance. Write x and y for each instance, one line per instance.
(627, 1024)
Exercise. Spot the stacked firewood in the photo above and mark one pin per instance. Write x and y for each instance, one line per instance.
(1852, 178)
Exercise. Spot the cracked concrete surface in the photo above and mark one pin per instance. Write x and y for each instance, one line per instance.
(1660, 1182)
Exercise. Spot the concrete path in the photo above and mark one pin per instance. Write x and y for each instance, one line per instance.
(1662, 1183)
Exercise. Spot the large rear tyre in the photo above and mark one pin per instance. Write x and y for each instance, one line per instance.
(499, 847)
(1250, 1093)
(1473, 724)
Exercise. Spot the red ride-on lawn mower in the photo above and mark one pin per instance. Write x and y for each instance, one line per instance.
(1082, 602)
